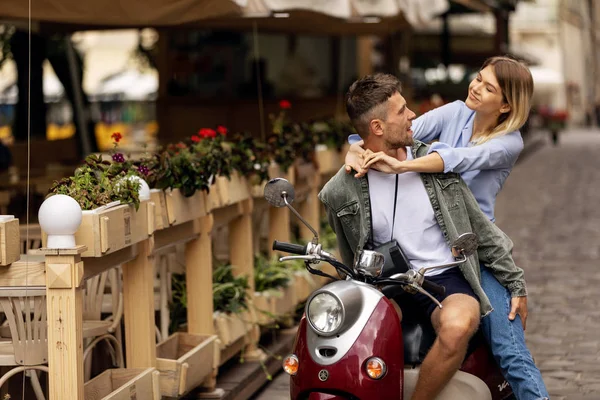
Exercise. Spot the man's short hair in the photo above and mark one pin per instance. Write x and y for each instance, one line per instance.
(366, 97)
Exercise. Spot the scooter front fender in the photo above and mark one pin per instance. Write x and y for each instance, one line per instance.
(381, 337)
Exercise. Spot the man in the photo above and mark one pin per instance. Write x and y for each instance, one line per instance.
(424, 213)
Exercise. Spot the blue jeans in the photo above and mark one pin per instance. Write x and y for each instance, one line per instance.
(507, 341)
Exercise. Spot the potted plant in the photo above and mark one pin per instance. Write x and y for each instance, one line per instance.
(289, 141)
(275, 296)
(109, 193)
(183, 173)
(230, 298)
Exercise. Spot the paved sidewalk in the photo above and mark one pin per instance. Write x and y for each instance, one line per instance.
(550, 207)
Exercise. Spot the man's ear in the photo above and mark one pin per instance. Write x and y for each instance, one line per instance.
(505, 108)
(376, 127)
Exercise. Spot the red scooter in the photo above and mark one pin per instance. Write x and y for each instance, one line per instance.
(351, 342)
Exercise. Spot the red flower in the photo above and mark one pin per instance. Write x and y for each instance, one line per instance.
(222, 130)
(285, 104)
(116, 136)
(196, 138)
(207, 133)
(180, 145)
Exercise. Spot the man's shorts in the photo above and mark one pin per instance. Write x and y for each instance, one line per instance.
(454, 282)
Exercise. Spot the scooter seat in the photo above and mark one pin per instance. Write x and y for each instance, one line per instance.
(417, 331)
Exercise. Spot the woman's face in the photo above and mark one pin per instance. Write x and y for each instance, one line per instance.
(485, 95)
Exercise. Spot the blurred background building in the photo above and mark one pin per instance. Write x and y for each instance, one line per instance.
(178, 79)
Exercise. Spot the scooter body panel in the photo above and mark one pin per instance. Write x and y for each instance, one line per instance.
(481, 363)
(347, 378)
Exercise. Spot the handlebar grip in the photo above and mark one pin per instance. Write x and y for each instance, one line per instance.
(433, 287)
(289, 247)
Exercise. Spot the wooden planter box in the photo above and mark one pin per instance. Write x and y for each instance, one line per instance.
(232, 191)
(161, 218)
(329, 160)
(286, 303)
(231, 328)
(185, 361)
(105, 231)
(263, 307)
(274, 304)
(123, 384)
(10, 240)
(182, 209)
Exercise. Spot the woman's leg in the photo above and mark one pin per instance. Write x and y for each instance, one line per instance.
(507, 341)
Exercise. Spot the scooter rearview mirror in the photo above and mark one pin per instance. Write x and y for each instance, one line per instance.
(466, 245)
(280, 193)
(277, 191)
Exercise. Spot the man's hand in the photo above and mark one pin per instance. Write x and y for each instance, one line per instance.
(518, 305)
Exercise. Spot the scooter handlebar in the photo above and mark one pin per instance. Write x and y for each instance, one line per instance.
(432, 287)
(289, 247)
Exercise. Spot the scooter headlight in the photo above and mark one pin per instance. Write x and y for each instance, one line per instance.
(325, 313)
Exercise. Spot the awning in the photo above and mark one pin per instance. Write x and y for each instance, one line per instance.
(119, 13)
(293, 16)
(332, 17)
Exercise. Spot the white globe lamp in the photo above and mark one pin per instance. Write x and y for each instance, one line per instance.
(60, 217)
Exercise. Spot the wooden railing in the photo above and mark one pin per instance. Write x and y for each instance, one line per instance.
(122, 236)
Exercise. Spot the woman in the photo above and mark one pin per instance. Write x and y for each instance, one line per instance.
(479, 139)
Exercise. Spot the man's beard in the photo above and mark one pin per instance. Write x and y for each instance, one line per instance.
(399, 142)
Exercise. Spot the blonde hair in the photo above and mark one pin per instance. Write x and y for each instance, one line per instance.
(516, 84)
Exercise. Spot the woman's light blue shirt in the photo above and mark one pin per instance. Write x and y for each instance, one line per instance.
(484, 168)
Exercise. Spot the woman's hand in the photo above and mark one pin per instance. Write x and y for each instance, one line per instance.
(381, 162)
(353, 158)
(518, 305)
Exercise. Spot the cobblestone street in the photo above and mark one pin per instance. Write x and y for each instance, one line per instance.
(550, 208)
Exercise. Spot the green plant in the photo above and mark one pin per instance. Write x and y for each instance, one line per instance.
(249, 157)
(289, 141)
(209, 148)
(332, 132)
(178, 304)
(99, 182)
(230, 293)
(191, 165)
(270, 273)
(176, 167)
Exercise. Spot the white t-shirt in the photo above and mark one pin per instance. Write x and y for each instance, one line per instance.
(416, 228)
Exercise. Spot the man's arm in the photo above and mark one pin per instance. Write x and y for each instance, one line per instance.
(495, 247)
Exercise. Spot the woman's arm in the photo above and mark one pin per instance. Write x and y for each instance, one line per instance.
(498, 153)
(426, 128)
(429, 126)
(382, 162)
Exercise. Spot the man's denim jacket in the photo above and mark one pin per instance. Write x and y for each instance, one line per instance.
(348, 207)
